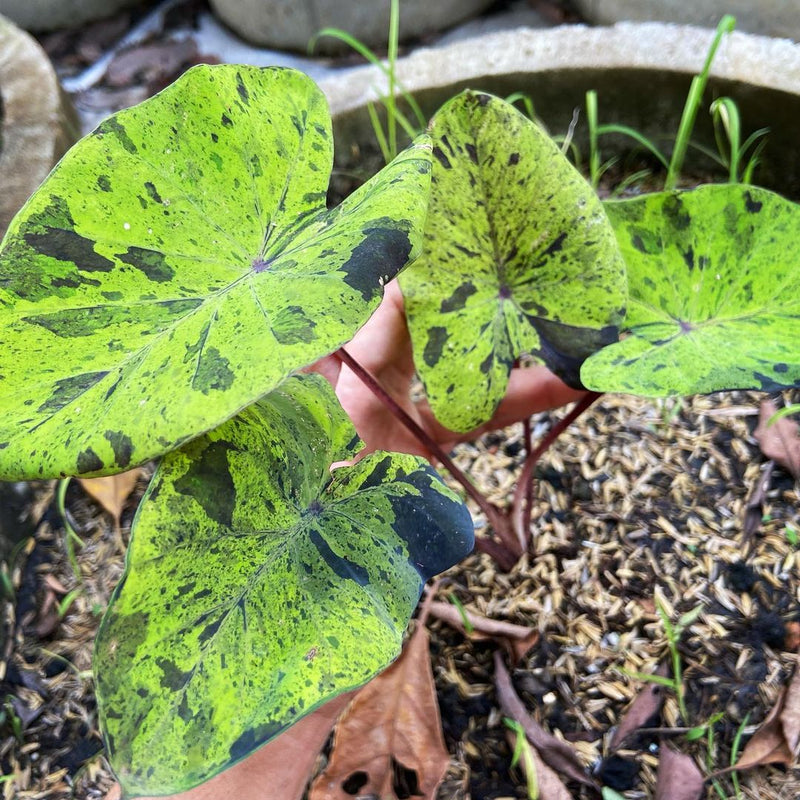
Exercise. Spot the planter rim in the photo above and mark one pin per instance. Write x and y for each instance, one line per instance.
(748, 58)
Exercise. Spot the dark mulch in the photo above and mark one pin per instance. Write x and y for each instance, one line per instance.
(638, 500)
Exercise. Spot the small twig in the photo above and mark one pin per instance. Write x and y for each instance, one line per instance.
(555, 752)
(494, 515)
(521, 518)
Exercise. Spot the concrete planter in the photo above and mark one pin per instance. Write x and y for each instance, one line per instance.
(641, 72)
(37, 122)
(290, 24)
(52, 15)
(769, 17)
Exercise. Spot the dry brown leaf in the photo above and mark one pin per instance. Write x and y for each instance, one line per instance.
(551, 787)
(555, 752)
(754, 510)
(280, 770)
(779, 441)
(517, 639)
(112, 491)
(645, 705)
(392, 726)
(776, 741)
(678, 776)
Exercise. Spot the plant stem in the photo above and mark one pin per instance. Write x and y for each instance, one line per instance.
(493, 514)
(522, 512)
(521, 517)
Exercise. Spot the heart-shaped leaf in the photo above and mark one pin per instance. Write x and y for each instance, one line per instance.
(180, 262)
(714, 294)
(518, 258)
(259, 584)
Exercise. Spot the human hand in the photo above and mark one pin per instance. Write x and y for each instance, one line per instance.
(383, 347)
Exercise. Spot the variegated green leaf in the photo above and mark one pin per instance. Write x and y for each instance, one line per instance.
(714, 294)
(259, 585)
(518, 258)
(180, 262)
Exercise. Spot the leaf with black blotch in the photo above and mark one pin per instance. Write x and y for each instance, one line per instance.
(714, 294)
(259, 585)
(179, 262)
(519, 257)
(287, 761)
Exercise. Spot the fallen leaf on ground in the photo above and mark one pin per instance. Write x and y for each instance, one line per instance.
(518, 639)
(549, 785)
(779, 441)
(678, 776)
(644, 706)
(776, 741)
(112, 492)
(555, 752)
(754, 510)
(280, 769)
(391, 734)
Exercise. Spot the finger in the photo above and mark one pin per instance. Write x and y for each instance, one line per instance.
(530, 390)
(329, 367)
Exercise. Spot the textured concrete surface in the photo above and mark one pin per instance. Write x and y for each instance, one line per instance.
(290, 24)
(641, 72)
(770, 17)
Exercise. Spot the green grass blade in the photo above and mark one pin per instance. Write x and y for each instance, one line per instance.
(725, 114)
(351, 41)
(70, 537)
(630, 180)
(594, 153)
(632, 133)
(693, 101)
(755, 158)
(377, 129)
(648, 677)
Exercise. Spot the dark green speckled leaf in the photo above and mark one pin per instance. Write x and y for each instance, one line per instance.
(518, 258)
(714, 304)
(180, 262)
(258, 587)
